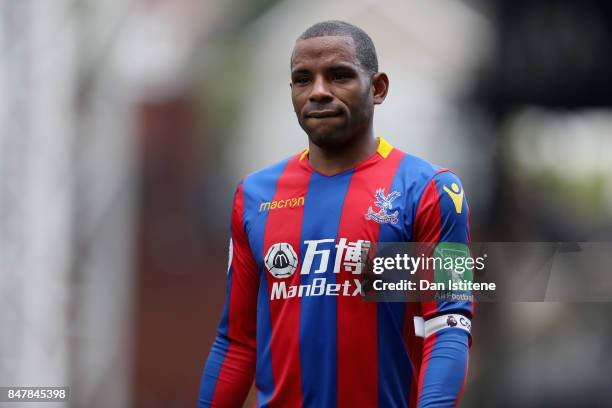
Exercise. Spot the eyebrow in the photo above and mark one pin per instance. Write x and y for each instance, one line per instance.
(335, 67)
(343, 66)
(299, 71)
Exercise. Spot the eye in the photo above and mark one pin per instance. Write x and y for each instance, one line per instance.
(301, 80)
(340, 76)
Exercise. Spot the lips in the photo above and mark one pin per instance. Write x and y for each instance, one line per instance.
(319, 114)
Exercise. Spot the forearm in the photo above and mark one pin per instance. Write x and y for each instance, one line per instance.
(228, 374)
(443, 369)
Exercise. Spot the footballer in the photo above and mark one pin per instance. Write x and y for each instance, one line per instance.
(294, 321)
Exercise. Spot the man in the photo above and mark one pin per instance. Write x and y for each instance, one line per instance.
(293, 319)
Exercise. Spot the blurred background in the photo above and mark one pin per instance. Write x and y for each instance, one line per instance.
(125, 126)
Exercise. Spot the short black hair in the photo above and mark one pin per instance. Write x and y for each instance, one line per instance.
(366, 53)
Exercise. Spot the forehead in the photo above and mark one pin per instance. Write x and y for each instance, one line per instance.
(322, 50)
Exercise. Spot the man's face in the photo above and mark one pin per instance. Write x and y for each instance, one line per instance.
(331, 93)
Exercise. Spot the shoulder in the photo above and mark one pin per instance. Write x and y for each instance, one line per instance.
(261, 183)
(267, 174)
(423, 179)
(418, 168)
(417, 172)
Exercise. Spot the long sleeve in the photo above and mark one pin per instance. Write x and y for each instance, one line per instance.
(230, 368)
(442, 221)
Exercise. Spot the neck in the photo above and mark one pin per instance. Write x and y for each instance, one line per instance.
(330, 162)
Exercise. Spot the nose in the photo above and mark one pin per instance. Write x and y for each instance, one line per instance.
(320, 92)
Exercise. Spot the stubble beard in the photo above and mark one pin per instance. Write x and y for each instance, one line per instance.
(337, 139)
(330, 140)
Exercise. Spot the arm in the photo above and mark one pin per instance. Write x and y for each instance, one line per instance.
(229, 370)
(443, 217)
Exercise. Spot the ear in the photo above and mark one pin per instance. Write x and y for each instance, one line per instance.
(380, 87)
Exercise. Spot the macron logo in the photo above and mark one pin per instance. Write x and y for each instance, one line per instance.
(286, 203)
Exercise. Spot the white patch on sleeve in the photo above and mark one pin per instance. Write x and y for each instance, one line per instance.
(230, 255)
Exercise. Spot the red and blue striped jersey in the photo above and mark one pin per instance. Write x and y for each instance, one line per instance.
(293, 318)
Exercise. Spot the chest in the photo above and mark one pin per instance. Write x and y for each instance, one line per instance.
(326, 224)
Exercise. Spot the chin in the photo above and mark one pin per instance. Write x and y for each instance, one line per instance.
(329, 140)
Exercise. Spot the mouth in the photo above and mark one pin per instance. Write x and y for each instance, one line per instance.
(322, 114)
